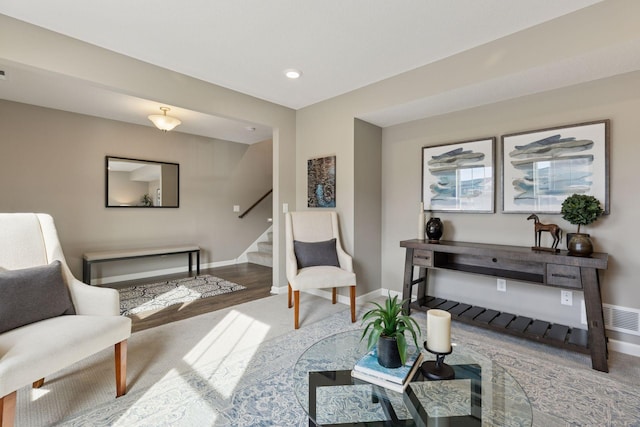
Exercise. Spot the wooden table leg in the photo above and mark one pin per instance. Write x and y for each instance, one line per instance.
(408, 278)
(595, 319)
(422, 286)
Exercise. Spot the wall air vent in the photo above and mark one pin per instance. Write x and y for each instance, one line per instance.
(621, 319)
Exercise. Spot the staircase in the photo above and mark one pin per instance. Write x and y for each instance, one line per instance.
(264, 255)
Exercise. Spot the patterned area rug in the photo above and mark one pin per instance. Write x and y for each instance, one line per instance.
(140, 298)
(254, 385)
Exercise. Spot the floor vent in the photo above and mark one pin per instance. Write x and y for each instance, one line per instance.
(621, 319)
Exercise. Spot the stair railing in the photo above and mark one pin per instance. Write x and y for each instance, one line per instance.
(242, 215)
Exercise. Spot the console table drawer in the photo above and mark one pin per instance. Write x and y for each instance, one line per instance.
(564, 275)
(423, 258)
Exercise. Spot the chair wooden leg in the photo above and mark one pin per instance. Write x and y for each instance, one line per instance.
(334, 298)
(39, 383)
(8, 409)
(296, 309)
(352, 298)
(121, 368)
(289, 299)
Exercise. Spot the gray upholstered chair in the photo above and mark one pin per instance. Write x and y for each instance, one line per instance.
(315, 258)
(48, 319)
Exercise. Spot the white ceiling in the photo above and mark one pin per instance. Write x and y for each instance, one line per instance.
(339, 45)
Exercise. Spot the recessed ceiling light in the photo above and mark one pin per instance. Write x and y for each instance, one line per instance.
(292, 73)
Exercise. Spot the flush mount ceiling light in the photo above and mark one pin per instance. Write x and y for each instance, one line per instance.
(164, 122)
(292, 73)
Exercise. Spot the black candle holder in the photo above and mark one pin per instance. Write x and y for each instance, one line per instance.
(437, 369)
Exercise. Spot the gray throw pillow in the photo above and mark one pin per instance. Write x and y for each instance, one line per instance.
(32, 294)
(311, 254)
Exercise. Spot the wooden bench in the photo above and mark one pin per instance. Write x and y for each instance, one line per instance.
(91, 258)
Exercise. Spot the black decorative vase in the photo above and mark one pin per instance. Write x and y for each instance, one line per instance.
(434, 230)
(388, 353)
(580, 245)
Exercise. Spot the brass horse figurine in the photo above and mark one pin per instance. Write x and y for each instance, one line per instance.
(553, 229)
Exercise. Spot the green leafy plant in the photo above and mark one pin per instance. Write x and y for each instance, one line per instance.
(581, 209)
(390, 321)
(146, 200)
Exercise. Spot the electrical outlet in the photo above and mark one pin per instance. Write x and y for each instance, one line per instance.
(502, 285)
(236, 208)
(566, 297)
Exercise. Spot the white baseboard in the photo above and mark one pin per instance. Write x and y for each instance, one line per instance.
(624, 347)
(154, 273)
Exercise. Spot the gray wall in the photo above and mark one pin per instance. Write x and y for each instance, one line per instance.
(327, 128)
(367, 205)
(544, 50)
(53, 161)
(617, 99)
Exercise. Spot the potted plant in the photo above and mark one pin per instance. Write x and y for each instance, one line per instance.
(146, 200)
(385, 328)
(580, 209)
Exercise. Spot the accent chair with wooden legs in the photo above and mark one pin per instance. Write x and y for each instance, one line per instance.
(315, 258)
(48, 319)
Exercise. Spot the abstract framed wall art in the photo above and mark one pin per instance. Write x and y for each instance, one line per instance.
(459, 177)
(542, 168)
(321, 182)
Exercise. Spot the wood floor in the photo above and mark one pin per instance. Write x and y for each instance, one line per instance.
(256, 278)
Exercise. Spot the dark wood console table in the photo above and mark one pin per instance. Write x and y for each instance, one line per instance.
(515, 263)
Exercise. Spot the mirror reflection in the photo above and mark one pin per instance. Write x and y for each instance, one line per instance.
(141, 183)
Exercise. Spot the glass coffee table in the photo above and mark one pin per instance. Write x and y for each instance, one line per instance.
(482, 393)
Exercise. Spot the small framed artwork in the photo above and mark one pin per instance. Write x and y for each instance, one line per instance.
(542, 168)
(321, 182)
(459, 177)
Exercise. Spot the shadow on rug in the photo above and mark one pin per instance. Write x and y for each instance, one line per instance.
(141, 298)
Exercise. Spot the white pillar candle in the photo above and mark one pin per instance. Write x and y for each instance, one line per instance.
(439, 331)
(421, 221)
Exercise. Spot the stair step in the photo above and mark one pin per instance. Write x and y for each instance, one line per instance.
(265, 247)
(260, 258)
(270, 236)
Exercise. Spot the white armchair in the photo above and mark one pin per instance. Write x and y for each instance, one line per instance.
(313, 260)
(30, 352)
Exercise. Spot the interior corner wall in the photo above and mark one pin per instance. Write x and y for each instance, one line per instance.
(617, 99)
(54, 162)
(367, 205)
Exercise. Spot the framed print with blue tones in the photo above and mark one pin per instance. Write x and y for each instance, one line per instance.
(459, 177)
(321, 182)
(542, 168)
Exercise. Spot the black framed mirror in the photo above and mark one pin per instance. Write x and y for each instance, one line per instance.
(135, 183)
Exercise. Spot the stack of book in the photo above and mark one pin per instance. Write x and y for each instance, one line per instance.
(396, 379)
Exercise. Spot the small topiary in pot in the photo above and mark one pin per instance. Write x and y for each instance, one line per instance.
(581, 209)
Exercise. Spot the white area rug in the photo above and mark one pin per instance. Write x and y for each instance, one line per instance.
(233, 367)
(140, 298)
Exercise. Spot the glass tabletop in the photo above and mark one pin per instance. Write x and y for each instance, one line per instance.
(482, 393)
